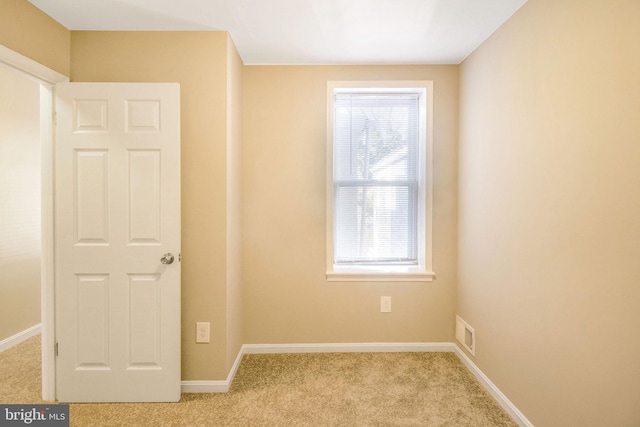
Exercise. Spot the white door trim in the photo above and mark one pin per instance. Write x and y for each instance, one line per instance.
(33, 70)
(47, 78)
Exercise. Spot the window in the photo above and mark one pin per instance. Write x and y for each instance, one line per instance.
(378, 181)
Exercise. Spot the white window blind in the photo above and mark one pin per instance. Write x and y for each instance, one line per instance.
(376, 178)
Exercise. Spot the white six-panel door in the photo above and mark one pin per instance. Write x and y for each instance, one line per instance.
(117, 213)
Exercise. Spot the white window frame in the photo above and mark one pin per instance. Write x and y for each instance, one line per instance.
(423, 271)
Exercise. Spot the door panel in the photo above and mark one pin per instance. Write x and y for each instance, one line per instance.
(92, 305)
(145, 329)
(117, 212)
(144, 197)
(91, 188)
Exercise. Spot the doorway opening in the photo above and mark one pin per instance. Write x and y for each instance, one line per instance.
(20, 172)
(42, 81)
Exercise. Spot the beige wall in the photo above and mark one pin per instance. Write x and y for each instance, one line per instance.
(19, 203)
(198, 61)
(286, 296)
(549, 268)
(29, 31)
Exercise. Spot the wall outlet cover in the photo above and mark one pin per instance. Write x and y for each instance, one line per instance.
(385, 304)
(203, 332)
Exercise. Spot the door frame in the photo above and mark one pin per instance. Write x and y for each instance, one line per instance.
(47, 78)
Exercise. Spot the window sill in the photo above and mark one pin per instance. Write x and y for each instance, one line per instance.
(379, 274)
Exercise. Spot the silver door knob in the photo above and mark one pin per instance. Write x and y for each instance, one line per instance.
(167, 258)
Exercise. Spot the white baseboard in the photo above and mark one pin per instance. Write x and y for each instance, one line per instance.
(348, 348)
(214, 386)
(20, 336)
(506, 404)
(222, 386)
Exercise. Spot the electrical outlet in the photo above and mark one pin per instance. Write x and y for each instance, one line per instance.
(385, 304)
(203, 332)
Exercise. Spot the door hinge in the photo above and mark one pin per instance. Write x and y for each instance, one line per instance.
(179, 257)
(55, 118)
(56, 349)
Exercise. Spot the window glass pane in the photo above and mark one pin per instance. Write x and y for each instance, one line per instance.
(375, 177)
(375, 224)
(375, 137)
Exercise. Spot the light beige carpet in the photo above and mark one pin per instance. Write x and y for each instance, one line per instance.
(326, 389)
